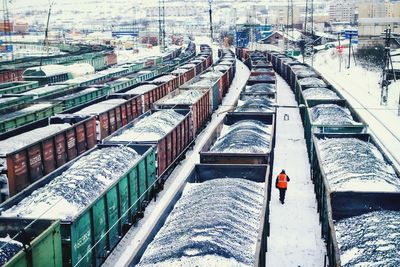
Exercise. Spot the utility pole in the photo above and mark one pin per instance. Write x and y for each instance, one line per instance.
(46, 41)
(161, 25)
(7, 29)
(386, 69)
(211, 23)
(308, 50)
(289, 22)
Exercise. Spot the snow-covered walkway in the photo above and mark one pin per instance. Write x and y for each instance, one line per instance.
(295, 238)
(122, 254)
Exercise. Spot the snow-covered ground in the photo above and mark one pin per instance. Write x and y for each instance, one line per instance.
(295, 238)
(122, 253)
(361, 88)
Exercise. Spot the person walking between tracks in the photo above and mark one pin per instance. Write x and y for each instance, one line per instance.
(281, 184)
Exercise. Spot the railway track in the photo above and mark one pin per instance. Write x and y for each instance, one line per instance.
(388, 138)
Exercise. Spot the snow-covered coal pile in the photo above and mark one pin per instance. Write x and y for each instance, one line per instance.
(260, 88)
(211, 74)
(306, 72)
(319, 93)
(8, 248)
(351, 164)
(297, 68)
(222, 68)
(19, 141)
(246, 136)
(185, 97)
(264, 70)
(371, 239)
(312, 82)
(164, 78)
(6, 99)
(21, 112)
(259, 104)
(141, 89)
(101, 107)
(262, 77)
(73, 190)
(215, 223)
(83, 92)
(332, 114)
(203, 83)
(151, 128)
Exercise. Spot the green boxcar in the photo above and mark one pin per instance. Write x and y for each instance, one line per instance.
(7, 101)
(49, 91)
(45, 244)
(15, 119)
(84, 96)
(88, 239)
(17, 87)
(122, 84)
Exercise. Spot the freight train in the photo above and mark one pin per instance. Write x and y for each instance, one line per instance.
(234, 171)
(92, 200)
(19, 103)
(357, 186)
(35, 149)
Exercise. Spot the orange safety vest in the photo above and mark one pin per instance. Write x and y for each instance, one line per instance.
(282, 181)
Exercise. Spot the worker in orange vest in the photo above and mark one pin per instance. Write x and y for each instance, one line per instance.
(281, 184)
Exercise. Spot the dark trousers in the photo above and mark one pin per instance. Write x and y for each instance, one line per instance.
(282, 192)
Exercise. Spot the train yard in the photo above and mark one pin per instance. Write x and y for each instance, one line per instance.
(172, 160)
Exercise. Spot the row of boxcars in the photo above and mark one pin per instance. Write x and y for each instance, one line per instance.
(13, 71)
(220, 213)
(76, 215)
(20, 101)
(356, 185)
(31, 151)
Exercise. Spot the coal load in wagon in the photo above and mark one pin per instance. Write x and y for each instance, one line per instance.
(24, 111)
(215, 223)
(72, 191)
(7, 99)
(185, 97)
(304, 73)
(319, 93)
(101, 107)
(372, 239)
(312, 82)
(19, 141)
(8, 248)
(151, 128)
(263, 70)
(211, 74)
(246, 136)
(164, 78)
(262, 77)
(351, 164)
(255, 104)
(260, 88)
(332, 114)
(142, 89)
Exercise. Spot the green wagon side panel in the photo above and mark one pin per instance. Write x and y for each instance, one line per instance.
(151, 168)
(49, 251)
(81, 241)
(45, 250)
(142, 179)
(134, 190)
(112, 214)
(124, 200)
(99, 230)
